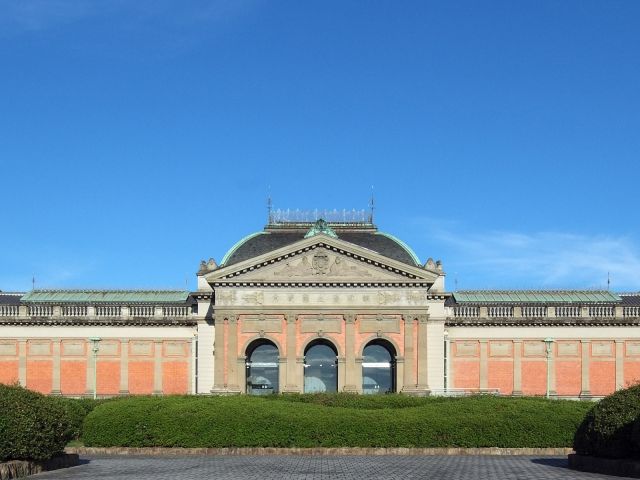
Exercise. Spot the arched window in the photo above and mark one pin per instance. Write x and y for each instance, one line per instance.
(378, 368)
(320, 368)
(262, 368)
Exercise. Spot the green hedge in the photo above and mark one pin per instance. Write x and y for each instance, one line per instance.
(32, 426)
(333, 421)
(607, 430)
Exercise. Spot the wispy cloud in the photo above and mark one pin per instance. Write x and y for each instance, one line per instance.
(506, 259)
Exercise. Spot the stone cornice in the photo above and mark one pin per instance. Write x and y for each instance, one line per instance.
(99, 321)
(541, 322)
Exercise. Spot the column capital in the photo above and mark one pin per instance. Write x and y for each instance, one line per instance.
(422, 319)
(349, 318)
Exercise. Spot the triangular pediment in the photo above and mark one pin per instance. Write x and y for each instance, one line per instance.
(321, 259)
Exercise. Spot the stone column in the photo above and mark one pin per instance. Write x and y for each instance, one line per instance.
(292, 384)
(282, 374)
(124, 367)
(55, 389)
(232, 355)
(241, 362)
(351, 377)
(399, 375)
(22, 362)
(409, 375)
(423, 364)
(300, 372)
(585, 345)
(91, 366)
(619, 364)
(204, 355)
(341, 373)
(157, 367)
(484, 365)
(552, 371)
(517, 368)
(218, 353)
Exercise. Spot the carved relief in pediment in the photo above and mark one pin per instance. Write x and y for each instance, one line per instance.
(320, 266)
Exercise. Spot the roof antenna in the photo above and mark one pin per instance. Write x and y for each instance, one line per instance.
(371, 206)
(33, 282)
(269, 207)
(608, 281)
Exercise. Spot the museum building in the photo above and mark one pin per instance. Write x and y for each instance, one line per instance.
(308, 305)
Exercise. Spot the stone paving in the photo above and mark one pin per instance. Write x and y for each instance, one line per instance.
(321, 467)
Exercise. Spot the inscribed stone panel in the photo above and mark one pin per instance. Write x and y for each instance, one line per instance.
(175, 349)
(500, 349)
(601, 348)
(633, 348)
(329, 324)
(568, 349)
(8, 348)
(109, 348)
(373, 323)
(534, 348)
(39, 347)
(466, 348)
(267, 323)
(140, 348)
(73, 348)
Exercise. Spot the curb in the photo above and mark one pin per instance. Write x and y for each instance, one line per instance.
(23, 468)
(260, 451)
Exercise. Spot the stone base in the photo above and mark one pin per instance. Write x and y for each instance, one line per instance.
(417, 390)
(608, 466)
(217, 390)
(22, 468)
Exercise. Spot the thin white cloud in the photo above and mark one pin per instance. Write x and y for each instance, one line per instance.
(541, 259)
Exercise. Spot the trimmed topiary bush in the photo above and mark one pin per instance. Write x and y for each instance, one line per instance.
(607, 430)
(333, 421)
(32, 426)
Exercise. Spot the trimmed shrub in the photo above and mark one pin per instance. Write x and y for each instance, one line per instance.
(76, 411)
(607, 430)
(32, 426)
(333, 421)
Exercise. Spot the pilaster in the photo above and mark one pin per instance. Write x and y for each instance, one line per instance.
(484, 364)
(517, 368)
(409, 383)
(585, 346)
(423, 363)
(292, 384)
(55, 388)
(157, 367)
(124, 367)
(232, 355)
(218, 352)
(619, 364)
(22, 362)
(351, 374)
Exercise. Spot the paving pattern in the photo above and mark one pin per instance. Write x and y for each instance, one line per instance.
(321, 467)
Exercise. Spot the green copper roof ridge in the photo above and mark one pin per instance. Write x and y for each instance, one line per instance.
(321, 226)
(237, 245)
(406, 247)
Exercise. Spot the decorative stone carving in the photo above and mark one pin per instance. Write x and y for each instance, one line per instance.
(261, 323)
(601, 348)
(568, 349)
(326, 324)
(380, 323)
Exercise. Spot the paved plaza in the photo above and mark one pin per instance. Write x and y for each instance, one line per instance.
(321, 467)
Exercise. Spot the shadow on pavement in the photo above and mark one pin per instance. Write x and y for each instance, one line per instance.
(552, 462)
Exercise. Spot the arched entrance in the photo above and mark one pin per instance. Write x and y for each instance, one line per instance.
(320, 367)
(262, 368)
(378, 368)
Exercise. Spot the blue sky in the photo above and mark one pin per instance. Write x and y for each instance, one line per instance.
(137, 138)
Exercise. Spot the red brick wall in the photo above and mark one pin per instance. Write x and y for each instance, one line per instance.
(602, 377)
(40, 375)
(73, 377)
(9, 371)
(175, 377)
(534, 377)
(500, 376)
(568, 377)
(108, 377)
(140, 377)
